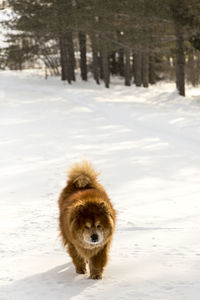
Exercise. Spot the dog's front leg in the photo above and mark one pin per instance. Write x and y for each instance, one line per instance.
(78, 261)
(97, 263)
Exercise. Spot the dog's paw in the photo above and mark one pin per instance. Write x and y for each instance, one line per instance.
(95, 276)
(81, 270)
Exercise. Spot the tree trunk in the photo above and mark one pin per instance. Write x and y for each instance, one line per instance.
(106, 71)
(152, 74)
(197, 68)
(113, 63)
(71, 56)
(95, 67)
(83, 58)
(145, 69)
(180, 60)
(137, 68)
(63, 58)
(127, 69)
(190, 69)
(121, 61)
(100, 59)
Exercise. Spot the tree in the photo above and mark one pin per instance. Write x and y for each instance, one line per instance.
(116, 33)
(83, 57)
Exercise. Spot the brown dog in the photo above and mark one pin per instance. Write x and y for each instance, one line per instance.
(87, 220)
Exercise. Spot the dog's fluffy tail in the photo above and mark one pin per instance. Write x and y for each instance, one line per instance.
(82, 175)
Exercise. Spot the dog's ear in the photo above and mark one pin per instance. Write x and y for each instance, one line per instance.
(78, 209)
(104, 207)
(102, 204)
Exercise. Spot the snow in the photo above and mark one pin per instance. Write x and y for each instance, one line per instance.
(146, 144)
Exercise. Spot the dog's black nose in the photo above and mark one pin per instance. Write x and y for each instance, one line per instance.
(94, 237)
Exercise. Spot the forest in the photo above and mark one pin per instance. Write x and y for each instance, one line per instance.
(141, 41)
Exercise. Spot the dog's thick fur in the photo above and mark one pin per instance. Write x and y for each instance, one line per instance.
(86, 213)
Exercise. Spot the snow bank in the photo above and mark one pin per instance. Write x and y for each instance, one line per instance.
(146, 144)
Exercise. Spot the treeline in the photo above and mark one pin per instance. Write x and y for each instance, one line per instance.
(143, 41)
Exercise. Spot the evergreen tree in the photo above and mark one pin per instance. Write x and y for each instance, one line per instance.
(130, 39)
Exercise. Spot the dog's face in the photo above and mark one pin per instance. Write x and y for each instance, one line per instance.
(91, 225)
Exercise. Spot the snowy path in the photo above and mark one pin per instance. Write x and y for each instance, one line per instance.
(146, 144)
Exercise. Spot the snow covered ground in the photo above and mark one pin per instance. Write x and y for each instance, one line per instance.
(145, 142)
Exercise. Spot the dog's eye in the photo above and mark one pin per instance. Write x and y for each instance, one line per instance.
(87, 227)
(98, 226)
